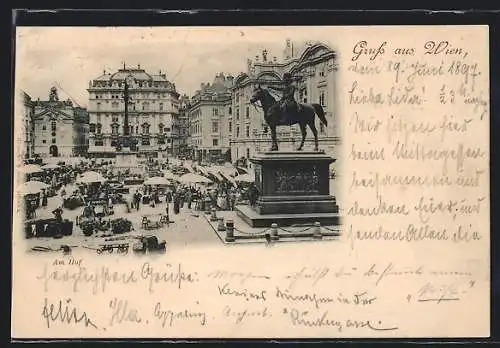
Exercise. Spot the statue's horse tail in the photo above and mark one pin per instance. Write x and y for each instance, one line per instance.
(321, 114)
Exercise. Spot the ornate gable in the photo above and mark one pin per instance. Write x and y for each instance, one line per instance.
(52, 114)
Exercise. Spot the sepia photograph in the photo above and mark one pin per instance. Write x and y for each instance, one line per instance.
(167, 142)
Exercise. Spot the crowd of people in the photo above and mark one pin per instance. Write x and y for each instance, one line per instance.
(219, 194)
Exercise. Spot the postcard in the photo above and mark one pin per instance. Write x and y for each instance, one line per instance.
(251, 182)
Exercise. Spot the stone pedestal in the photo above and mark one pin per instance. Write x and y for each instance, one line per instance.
(294, 188)
(126, 159)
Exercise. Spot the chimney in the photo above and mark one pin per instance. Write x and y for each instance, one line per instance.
(138, 66)
(230, 80)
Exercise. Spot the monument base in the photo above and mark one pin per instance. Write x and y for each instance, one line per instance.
(255, 219)
(127, 160)
(294, 188)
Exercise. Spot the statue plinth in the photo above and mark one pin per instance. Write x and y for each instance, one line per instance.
(126, 159)
(294, 188)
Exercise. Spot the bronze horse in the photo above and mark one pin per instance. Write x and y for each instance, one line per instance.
(272, 115)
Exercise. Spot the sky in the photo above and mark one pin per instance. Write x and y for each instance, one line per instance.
(69, 57)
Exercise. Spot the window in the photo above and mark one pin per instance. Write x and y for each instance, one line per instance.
(230, 126)
(167, 129)
(237, 131)
(44, 141)
(248, 153)
(215, 127)
(160, 128)
(43, 127)
(114, 129)
(230, 111)
(161, 105)
(99, 143)
(137, 129)
(215, 112)
(237, 114)
(322, 100)
(98, 128)
(99, 118)
(115, 118)
(248, 131)
(98, 106)
(145, 128)
(92, 128)
(53, 140)
(53, 126)
(237, 97)
(247, 112)
(114, 105)
(215, 142)
(145, 106)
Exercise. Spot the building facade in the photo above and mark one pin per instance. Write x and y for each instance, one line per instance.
(24, 136)
(209, 110)
(60, 128)
(184, 126)
(313, 65)
(153, 112)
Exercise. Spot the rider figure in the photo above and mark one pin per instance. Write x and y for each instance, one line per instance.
(287, 102)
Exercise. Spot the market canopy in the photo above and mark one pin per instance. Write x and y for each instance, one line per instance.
(32, 187)
(244, 178)
(157, 180)
(50, 166)
(191, 178)
(31, 169)
(91, 177)
(169, 175)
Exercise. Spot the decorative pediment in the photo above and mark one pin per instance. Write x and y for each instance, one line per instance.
(53, 114)
(268, 76)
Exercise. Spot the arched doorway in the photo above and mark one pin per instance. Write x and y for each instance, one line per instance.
(53, 151)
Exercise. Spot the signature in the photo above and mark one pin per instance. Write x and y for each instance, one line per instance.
(431, 293)
(64, 312)
(307, 319)
(168, 317)
(121, 311)
(245, 293)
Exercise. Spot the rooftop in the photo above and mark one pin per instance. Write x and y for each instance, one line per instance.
(138, 74)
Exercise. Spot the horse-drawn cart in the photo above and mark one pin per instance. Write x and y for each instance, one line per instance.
(120, 248)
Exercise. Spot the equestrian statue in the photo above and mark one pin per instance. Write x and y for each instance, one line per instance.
(287, 111)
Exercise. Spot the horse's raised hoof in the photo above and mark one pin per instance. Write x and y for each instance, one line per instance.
(316, 149)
